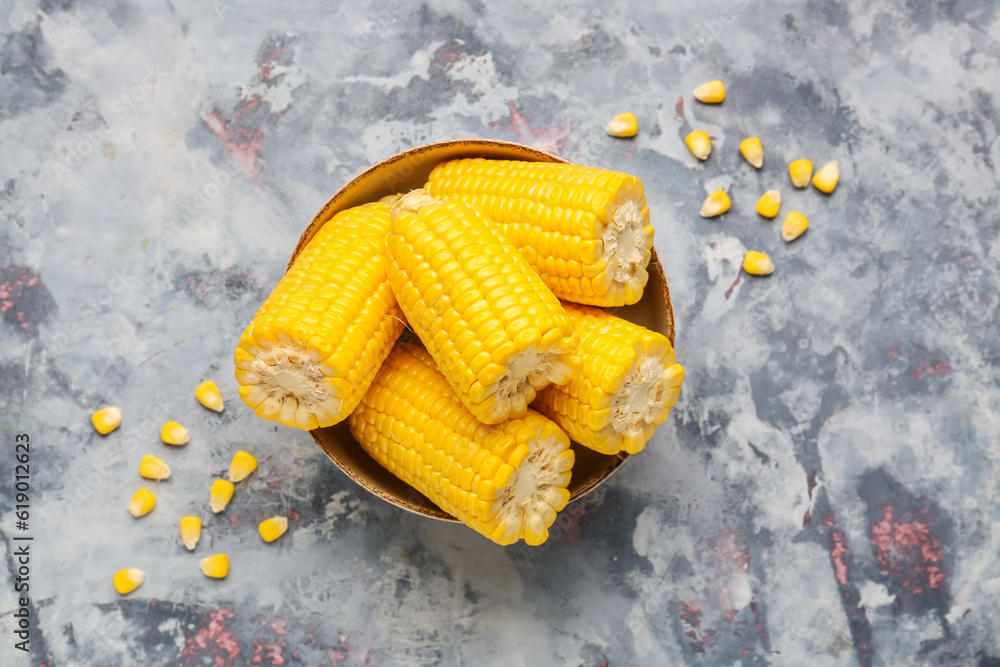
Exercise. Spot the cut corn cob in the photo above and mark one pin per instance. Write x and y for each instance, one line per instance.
(794, 226)
(623, 125)
(757, 263)
(715, 204)
(753, 151)
(769, 203)
(315, 344)
(208, 394)
(699, 144)
(190, 527)
(152, 467)
(106, 419)
(128, 580)
(800, 171)
(173, 433)
(826, 177)
(506, 481)
(273, 528)
(628, 383)
(497, 332)
(221, 494)
(142, 503)
(242, 465)
(216, 566)
(712, 92)
(585, 231)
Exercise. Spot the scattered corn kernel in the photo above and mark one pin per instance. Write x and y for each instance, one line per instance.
(623, 125)
(769, 203)
(757, 263)
(243, 464)
(715, 204)
(216, 566)
(794, 226)
(152, 467)
(208, 394)
(753, 151)
(800, 171)
(107, 419)
(273, 528)
(173, 433)
(827, 176)
(190, 531)
(699, 144)
(142, 503)
(712, 92)
(222, 493)
(128, 580)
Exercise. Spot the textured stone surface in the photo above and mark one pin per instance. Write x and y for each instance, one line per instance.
(823, 494)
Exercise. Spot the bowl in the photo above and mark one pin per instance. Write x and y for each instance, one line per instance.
(409, 170)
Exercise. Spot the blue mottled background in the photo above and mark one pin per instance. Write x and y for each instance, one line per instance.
(825, 491)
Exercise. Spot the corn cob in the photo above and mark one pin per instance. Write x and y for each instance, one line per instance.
(316, 343)
(628, 383)
(506, 481)
(585, 230)
(493, 327)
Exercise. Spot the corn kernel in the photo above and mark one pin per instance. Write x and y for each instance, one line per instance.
(699, 144)
(794, 226)
(142, 503)
(222, 493)
(800, 172)
(208, 394)
(712, 92)
(623, 125)
(769, 203)
(273, 528)
(243, 464)
(715, 204)
(216, 566)
(152, 467)
(753, 151)
(190, 527)
(173, 433)
(827, 176)
(757, 263)
(127, 581)
(107, 419)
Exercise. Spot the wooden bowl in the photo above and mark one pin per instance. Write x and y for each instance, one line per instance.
(409, 170)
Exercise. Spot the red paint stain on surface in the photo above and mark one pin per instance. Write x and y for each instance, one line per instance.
(24, 299)
(212, 640)
(811, 482)
(893, 353)
(807, 519)
(729, 292)
(839, 548)
(242, 145)
(679, 108)
(547, 138)
(931, 368)
(907, 551)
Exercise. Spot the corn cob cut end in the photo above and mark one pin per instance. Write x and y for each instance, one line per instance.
(650, 391)
(627, 241)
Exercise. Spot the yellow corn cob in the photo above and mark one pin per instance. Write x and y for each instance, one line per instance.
(142, 503)
(315, 344)
(497, 332)
(220, 495)
(505, 481)
(128, 580)
(190, 528)
(585, 230)
(273, 528)
(208, 394)
(106, 419)
(628, 383)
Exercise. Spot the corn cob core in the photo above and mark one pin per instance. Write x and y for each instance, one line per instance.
(628, 383)
(493, 327)
(505, 481)
(315, 344)
(585, 230)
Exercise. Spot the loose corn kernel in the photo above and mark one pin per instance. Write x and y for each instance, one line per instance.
(794, 226)
(107, 419)
(173, 433)
(757, 263)
(190, 527)
(216, 566)
(243, 464)
(712, 92)
(222, 493)
(152, 467)
(128, 580)
(800, 171)
(273, 528)
(699, 144)
(142, 503)
(827, 176)
(769, 203)
(715, 204)
(208, 394)
(623, 125)
(753, 151)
